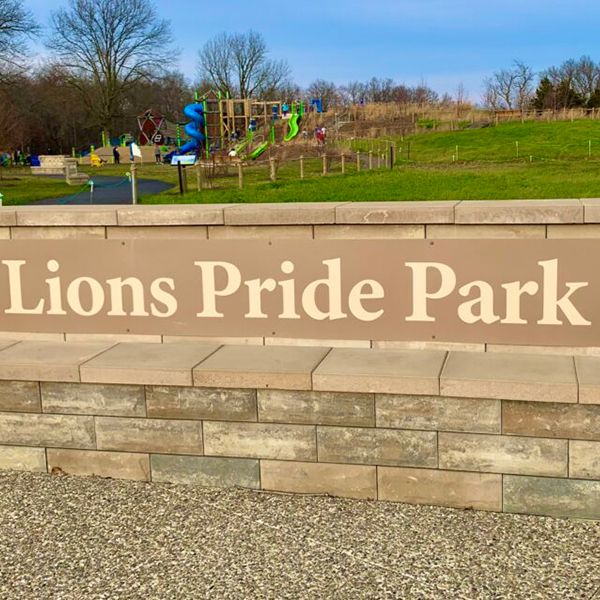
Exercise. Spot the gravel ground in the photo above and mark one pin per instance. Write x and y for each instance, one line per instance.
(87, 538)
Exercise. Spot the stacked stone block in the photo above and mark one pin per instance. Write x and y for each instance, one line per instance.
(504, 440)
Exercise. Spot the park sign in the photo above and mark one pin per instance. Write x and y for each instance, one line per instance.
(512, 291)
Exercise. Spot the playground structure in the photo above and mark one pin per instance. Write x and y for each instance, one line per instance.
(237, 128)
(216, 127)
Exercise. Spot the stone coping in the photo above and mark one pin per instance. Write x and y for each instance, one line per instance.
(471, 212)
(507, 376)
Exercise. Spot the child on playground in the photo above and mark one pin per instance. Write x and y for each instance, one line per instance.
(157, 154)
(321, 135)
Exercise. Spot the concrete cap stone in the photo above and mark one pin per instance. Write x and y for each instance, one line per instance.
(591, 210)
(588, 376)
(530, 377)
(287, 213)
(47, 361)
(66, 215)
(280, 367)
(171, 214)
(150, 364)
(519, 211)
(8, 216)
(430, 211)
(380, 371)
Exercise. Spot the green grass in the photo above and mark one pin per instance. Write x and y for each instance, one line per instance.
(414, 182)
(20, 187)
(553, 162)
(560, 140)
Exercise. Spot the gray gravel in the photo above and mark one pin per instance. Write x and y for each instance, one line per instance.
(88, 538)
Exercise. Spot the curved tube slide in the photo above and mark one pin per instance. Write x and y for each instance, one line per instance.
(194, 112)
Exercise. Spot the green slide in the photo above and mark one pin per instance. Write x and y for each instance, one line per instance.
(254, 155)
(243, 143)
(294, 128)
(237, 149)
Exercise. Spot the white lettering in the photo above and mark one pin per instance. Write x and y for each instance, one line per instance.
(116, 297)
(420, 292)
(288, 292)
(209, 286)
(514, 291)
(357, 295)
(74, 296)
(485, 302)
(333, 283)
(163, 297)
(255, 289)
(16, 291)
(56, 306)
(551, 301)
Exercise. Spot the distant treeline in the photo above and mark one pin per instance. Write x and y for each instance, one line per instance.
(573, 84)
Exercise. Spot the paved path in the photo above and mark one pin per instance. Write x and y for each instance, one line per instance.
(109, 190)
(65, 538)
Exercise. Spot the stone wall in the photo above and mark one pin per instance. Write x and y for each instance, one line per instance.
(513, 429)
(487, 431)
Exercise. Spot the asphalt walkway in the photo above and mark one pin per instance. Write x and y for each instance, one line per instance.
(109, 190)
(65, 538)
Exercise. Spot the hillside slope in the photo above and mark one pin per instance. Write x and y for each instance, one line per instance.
(559, 140)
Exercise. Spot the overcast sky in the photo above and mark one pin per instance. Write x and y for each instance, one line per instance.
(442, 42)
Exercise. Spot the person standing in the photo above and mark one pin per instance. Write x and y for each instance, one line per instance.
(157, 154)
(116, 155)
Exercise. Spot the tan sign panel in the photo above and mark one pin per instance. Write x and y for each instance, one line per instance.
(518, 291)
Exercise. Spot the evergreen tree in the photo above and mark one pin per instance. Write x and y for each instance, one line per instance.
(594, 99)
(567, 97)
(545, 96)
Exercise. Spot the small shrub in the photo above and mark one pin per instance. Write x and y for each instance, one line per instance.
(429, 123)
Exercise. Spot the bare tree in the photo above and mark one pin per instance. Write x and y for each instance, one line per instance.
(238, 64)
(16, 24)
(586, 78)
(326, 91)
(106, 47)
(510, 88)
(353, 92)
(524, 81)
(491, 97)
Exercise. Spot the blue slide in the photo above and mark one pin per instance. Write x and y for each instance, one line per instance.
(195, 129)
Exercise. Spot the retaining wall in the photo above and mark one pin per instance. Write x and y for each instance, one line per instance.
(419, 422)
(498, 432)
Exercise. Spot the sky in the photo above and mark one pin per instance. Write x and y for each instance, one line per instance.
(440, 42)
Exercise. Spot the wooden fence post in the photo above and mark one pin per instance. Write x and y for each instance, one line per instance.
(343, 159)
(273, 170)
(240, 175)
(370, 160)
(301, 167)
(357, 162)
(324, 164)
(199, 176)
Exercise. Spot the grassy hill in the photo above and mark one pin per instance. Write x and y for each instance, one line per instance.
(559, 140)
